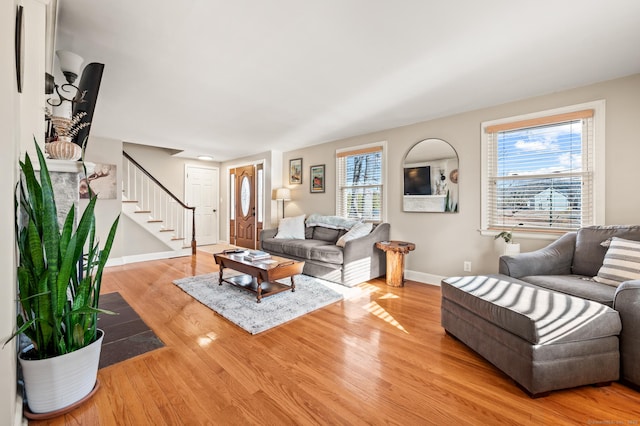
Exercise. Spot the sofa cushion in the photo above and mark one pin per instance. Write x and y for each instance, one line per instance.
(291, 227)
(325, 234)
(301, 248)
(621, 263)
(574, 285)
(358, 230)
(536, 315)
(589, 253)
(308, 232)
(329, 253)
(274, 246)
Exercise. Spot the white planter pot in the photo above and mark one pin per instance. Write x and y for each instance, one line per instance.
(55, 383)
(511, 249)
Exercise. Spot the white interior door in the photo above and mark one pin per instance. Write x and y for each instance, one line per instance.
(201, 190)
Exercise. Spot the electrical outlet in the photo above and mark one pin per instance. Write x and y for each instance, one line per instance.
(467, 266)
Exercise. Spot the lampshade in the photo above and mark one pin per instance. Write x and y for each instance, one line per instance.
(283, 194)
(70, 64)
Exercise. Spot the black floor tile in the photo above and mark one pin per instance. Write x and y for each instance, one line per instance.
(125, 334)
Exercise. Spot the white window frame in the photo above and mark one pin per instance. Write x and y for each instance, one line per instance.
(598, 151)
(383, 145)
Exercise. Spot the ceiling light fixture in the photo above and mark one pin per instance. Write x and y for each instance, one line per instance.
(205, 157)
(70, 64)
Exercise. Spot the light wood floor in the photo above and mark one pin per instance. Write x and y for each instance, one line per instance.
(381, 358)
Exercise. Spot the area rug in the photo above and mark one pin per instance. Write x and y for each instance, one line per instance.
(125, 334)
(240, 307)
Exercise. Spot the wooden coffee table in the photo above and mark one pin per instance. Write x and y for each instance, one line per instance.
(259, 276)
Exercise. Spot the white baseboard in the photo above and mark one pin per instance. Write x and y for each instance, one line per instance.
(423, 277)
(124, 260)
(18, 418)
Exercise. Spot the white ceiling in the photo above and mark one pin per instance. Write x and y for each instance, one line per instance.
(231, 78)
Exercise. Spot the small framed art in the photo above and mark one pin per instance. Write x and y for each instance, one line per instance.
(295, 170)
(316, 177)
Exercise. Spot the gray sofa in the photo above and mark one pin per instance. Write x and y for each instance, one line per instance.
(567, 266)
(357, 262)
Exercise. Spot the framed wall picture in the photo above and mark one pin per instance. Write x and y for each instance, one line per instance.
(295, 170)
(316, 177)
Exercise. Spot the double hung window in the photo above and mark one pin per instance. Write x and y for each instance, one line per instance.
(539, 172)
(360, 183)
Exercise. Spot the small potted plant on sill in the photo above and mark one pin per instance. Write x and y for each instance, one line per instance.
(510, 248)
(59, 277)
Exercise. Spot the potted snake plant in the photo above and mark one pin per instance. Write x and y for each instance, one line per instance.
(59, 277)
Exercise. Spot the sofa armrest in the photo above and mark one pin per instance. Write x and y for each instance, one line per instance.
(362, 261)
(364, 246)
(267, 233)
(627, 302)
(554, 259)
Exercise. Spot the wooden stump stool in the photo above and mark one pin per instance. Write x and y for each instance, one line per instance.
(395, 260)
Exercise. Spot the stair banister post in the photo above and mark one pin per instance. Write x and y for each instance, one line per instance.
(193, 230)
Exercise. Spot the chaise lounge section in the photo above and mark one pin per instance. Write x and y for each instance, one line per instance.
(573, 265)
(543, 340)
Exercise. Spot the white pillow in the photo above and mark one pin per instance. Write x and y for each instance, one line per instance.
(291, 228)
(621, 263)
(358, 230)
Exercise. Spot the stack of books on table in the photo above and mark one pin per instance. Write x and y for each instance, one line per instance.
(255, 255)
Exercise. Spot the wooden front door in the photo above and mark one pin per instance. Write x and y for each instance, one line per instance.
(245, 207)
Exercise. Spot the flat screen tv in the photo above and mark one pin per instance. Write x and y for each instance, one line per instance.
(417, 180)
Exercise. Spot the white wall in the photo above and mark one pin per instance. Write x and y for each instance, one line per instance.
(445, 240)
(11, 118)
(169, 170)
(8, 164)
(138, 240)
(107, 151)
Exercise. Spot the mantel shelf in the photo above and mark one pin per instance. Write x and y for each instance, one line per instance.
(63, 166)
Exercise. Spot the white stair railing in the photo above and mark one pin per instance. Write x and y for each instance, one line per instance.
(151, 196)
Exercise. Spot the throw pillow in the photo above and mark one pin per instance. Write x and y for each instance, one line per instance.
(291, 228)
(621, 263)
(358, 230)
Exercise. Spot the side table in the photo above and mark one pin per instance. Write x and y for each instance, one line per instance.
(395, 260)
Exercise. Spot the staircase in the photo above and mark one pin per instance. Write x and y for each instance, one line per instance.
(151, 205)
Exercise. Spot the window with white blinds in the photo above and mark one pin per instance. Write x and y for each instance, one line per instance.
(359, 181)
(539, 173)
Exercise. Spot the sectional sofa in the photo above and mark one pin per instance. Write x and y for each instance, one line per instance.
(562, 316)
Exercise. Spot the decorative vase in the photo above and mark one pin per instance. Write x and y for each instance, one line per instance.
(61, 124)
(54, 383)
(511, 249)
(64, 149)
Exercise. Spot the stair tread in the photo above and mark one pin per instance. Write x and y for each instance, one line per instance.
(142, 211)
(154, 221)
(129, 201)
(166, 230)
